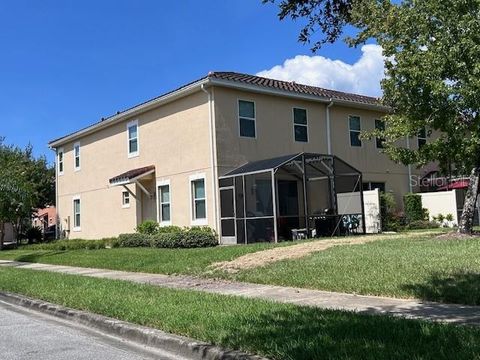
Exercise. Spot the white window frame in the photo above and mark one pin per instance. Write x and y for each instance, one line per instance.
(376, 137)
(358, 131)
(124, 204)
(75, 167)
(60, 151)
(248, 118)
(159, 202)
(295, 124)
(77, 228)
(193, 221)
(129, 125)
(421, 137)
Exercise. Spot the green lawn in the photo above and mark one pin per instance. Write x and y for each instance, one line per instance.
(279, 331)
(163, 261)
(423, 267)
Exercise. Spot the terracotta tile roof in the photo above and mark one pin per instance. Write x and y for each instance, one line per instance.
(293, 87)
(131, 174)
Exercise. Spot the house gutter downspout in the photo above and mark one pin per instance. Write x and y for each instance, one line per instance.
(213, 155)
(409, 167)
(327, 115)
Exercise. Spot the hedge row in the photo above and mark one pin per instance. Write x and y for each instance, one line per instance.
(185, 238)
(74, 244)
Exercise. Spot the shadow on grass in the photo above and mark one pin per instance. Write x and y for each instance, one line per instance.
(35, 257)
(304, 333)
(457, 288)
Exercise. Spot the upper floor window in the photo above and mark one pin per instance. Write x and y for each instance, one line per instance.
(164, 203)
(246, 116)
(60, 161)
(125, 199)
(355, 128)
(76, 156)
(422, 137)
(76, 214)
(300, 126)
(132, 130)
(199, 209)
(379, 125)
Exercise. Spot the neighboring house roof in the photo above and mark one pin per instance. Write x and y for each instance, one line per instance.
(239, 81)
(131, 175)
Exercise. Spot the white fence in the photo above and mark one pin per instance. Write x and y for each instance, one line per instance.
(441, 202)
(349, 203)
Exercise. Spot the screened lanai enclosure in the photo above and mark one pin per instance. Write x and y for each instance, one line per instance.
(291, 197)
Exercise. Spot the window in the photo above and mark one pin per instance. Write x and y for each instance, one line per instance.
(374, 185)
(76, 156)
(60, 161)
(132, 130)
(355, 128)
(76, 214)
(246, 116)
(300, 127)
(422, 137)
(199, 209)
(379, 125)
(164, 203)
(125, 199)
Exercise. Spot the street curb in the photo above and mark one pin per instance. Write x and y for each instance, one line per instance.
(143, 335)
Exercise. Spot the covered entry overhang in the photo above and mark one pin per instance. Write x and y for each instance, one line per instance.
(291, 197)
(134, 176)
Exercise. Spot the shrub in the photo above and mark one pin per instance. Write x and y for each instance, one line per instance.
(148, 227)
(449, 217)
(34, 234)
(133, 240)
(413, 207)
(422, 224)
(440, 218)
(390, 220)
(169, 229)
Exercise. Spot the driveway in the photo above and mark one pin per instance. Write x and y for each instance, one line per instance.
(26, 334)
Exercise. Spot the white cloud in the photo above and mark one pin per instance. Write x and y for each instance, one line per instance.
(362, 77)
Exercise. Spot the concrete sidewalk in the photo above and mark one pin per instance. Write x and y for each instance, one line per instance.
(414, 309)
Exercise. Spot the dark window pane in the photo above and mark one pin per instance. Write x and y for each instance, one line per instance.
(378, 185)
(287, 197)
(165, 212)
(366, 186)
(247, 127)
(228, 227)
(240, 231)
(246, 109)
(226, 203)
(354, 123)
(300, 116)
(301, 133)
(422, 133)
(355, 138)
(200, 210)
(225, 182)
(133, 145)
(199, 189)
(421, 142)
(239, 197)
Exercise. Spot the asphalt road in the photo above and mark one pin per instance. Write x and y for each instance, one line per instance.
(26, 334)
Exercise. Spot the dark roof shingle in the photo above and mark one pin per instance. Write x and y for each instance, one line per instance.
(131, 174)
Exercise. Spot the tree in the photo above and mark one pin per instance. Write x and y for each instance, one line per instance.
(26, 183)
(432, 52)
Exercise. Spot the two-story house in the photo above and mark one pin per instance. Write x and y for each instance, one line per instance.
(166, 159)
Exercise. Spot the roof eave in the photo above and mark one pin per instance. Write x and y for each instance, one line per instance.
(184, 91)
(290, 94)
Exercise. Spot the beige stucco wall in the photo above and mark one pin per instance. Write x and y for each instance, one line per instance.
(174, 137)
(274, 136)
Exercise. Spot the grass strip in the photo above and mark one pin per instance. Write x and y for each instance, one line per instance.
(278, 331)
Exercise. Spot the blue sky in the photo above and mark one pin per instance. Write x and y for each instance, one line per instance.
(65, 64)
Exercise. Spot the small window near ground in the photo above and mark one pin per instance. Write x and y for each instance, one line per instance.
(76, 155)
(422, 137)
(379, 125)
(76, 214)
(125, 199)
(246, 116)
(355, 129)
(198, 197)
(60, 161)
(300, 126)
(132, 130)
(164, 203)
